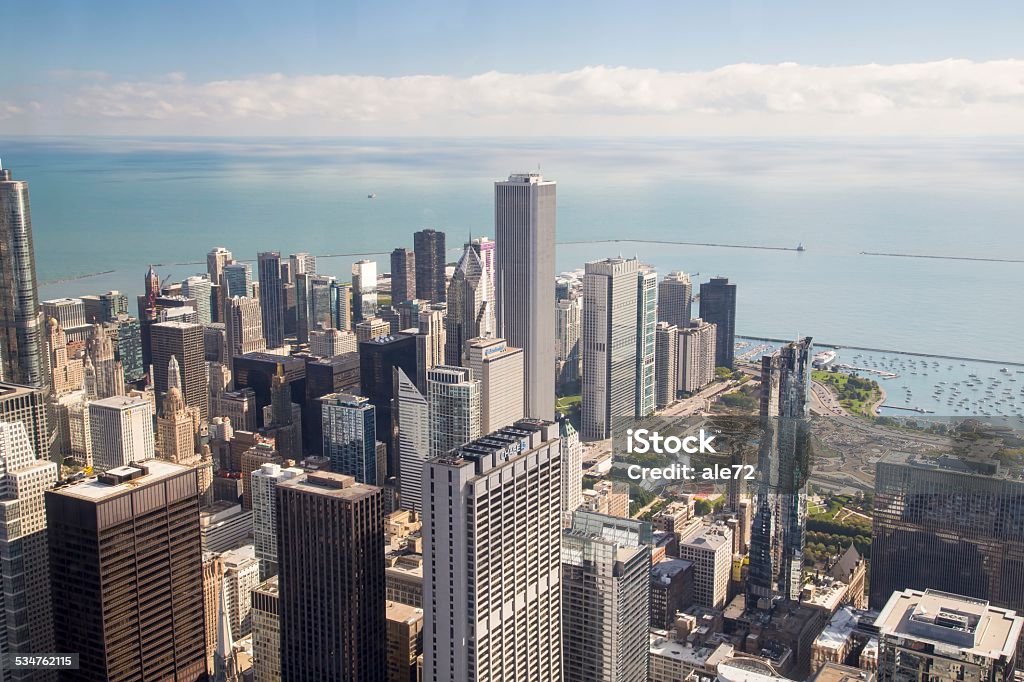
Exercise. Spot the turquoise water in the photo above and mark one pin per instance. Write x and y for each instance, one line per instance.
(119, 204)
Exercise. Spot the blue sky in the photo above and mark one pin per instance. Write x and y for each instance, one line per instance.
(208, 42)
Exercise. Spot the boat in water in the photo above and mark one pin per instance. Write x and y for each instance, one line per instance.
(824, 359)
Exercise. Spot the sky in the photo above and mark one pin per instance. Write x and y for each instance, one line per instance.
(561, 67)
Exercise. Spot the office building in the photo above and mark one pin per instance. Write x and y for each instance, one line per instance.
(412, 418)
(671, 591)
(431, 339)
(609, 345)
(718, 307)
(403, 275)
(237, 281)
(951, 523)
(695, 359)
(213, 589)
(500, 370)
(364, 290)
(470, 307)
(103, 375)
(300, 263)
(285, 417)
(243, 326)
(258, 371)
(486, 249)
(326, 343)
(666, 351)
(22, 356)
(104, 307)
(646, 324)
(709, 549)
(453, 395)
(429, 250)
(780, 501)
(605, 608)
(492, 563)
(241, 577)
(572, 467)
(675, 299)
(378, 360)
(271, 297)
(177, 425)
(69, 312)
(200, 289)
(129, 348)
(404, 641)
(264, 512)
(568, 322)
(524, 232)
(336, 374)
(372, 328)
(121, 430)
(66, 373)
(350, 436)
(331, 604)
(224, 525)
(184, 342)
(129, 602)
(26, 612)
(315, 304)
(935, 635)
(27, 406)
(266, 632)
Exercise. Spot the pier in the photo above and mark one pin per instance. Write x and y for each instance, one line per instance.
(920, 255)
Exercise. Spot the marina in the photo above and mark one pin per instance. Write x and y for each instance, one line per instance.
(933, 385)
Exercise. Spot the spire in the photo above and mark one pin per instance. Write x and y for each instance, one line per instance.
(173, 374)
(225, 666)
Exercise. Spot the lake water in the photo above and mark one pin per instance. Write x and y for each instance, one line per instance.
(119, 204)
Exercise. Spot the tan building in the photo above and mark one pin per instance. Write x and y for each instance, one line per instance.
(696, 359)
(373, 328)
(405, 642)
(500, 370)
(213, 583)
(266, 633)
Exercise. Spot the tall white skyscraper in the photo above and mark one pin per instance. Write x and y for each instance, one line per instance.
(499, 367)
(696, 359)
(241, 577)
(430, 342)
(572, 468)
(568, 320)
(200, 288)
(609, 344)
(26, 611)
(122, 431)
(413, 414)
(299, 263)
(646, 322)
(666, 344)
(364, 290)
(264, 513)
(524, 232)
(491, 558)
(470, 307)
(454, 398)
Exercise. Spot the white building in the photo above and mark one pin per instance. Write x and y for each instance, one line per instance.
(264, 513)
(491, 553)
(666, 341)
(572, 468)
(696, 356)
(710, 550)
(241, 577)
(454, 399)
(646, 323)
(121, 429)
(413, 415)
(501, 372)
(224, 526)
(326, 343)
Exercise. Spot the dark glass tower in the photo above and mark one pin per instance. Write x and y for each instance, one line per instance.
(718, 306)
(271, 297)
(429, 255)
(378, 359)
(780, 502)
(21, 320)
(403, 275)
(331, 578)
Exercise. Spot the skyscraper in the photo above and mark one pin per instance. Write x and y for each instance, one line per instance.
(28, 406)
(646, 322)
(316, 304)
(243, 326)
(953, 523)
(177, 424)
(454, 398)
(103, 373)
(431, 339)
(350, 436)
(266, 632)
(201, 290)
(237, 280)
(264, 512)
(666, 351)
(299, 263)
(524, 233)
(21, 321)
(26, 611)
(718, 306)
(378, 360)
(470, 313)
(125, 597)
(216, 259)
(429, 249)
(486, 249)
(331, 557)
(403, 275)
(412, 415)
(493, 594)
(568, 321)
(184, 342)
(609, 340)
(364, 290)
(271, 297)
(780, 501)
(572, 467)
(500, 370)
(121, 431)
(675, 299)
(696, 355)
(605, 607)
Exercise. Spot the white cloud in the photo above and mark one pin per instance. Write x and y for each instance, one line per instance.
(945, 97)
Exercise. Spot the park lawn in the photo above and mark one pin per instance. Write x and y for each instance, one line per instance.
(856, 394)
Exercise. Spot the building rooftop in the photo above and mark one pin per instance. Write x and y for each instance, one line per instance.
(666, 569)
(398, 612)
(977, 466)
(836, 672)
(119, 402)
(122, 480)
(972, 625)
(839, 629)
(238, 556)
(330, 484)
(269, 586)
(698, 657)
(177, 324)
